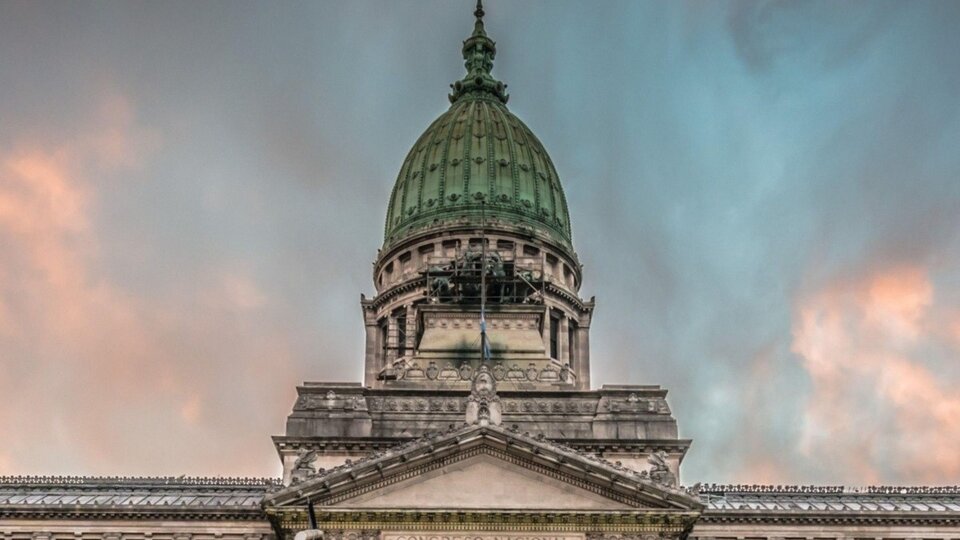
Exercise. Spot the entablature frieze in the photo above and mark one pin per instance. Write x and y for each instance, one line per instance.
(63, 530)
(819, 519)
(360, 400)
(591, 446)
(144, 513)
(460, 535)
(412, 284)
(594, 522)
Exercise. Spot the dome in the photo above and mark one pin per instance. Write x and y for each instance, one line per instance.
(478, 161)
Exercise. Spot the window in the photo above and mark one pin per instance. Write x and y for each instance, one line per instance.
(552, 265)
(384, 332)
(571, 341)
(554, 336)
(449, 248)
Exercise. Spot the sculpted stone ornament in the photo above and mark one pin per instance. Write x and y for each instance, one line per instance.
(659, 471)
(483, 404)
(352, 535)
(303, 467)
(309, 534)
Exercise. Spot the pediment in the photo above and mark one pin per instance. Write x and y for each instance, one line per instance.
(483, 468)
(483, 482)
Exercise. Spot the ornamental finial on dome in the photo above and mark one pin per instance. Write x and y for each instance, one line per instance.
(478, 29)
(478, 53)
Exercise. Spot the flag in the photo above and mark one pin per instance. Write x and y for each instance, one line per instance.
(484, 343)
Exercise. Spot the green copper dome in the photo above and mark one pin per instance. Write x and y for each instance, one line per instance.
(478, 157)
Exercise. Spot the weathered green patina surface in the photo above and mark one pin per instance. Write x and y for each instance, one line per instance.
(477, 153)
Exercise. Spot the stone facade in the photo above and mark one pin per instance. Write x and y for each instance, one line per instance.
(476, 419)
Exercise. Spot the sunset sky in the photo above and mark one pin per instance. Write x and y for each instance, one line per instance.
(765, 196)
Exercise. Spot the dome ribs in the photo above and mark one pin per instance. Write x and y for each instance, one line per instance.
(511, 151)
(491, 154)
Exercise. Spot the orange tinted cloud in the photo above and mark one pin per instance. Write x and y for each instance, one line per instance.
(111, 380)
(763, 470)
(877, 408)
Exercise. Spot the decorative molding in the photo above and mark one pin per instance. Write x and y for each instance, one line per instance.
(479, 450)
(550, 406)
(597, 535)
(142, 513)
(351, 534)
(295, 518)
(438, 449)
(110, 481)
(877, 519)
(818, 490)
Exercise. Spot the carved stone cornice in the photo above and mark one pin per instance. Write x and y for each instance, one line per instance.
(861, 519)
(629, 521)
(412, 284)
(146, 512)
(440, 449)
(30, 481)
(828, 490)
(651, 535)
(882, 506)
(570, 297)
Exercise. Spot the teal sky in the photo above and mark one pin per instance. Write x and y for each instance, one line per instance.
(765, 195)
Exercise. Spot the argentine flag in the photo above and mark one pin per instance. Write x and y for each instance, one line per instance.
(484, 343)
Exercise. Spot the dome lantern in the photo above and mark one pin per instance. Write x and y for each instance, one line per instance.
(478, 53)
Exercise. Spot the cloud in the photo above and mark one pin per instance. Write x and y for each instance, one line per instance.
(808, 33)
(878, 408)
(184, 223)
(127, 381)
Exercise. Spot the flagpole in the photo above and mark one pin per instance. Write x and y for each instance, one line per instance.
(311, 515)
(483, 281)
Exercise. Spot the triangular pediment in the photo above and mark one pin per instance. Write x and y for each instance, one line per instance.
(483, 467)
(484, 481)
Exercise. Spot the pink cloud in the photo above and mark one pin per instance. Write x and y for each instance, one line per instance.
(878, 408)
(100, 379)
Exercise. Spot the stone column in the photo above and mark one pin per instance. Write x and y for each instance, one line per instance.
(411, 330)
(391, 340)
(545, 331)
(372, 361)
(582, 366)
(562, 335)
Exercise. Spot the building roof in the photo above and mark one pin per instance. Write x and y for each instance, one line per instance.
(241, 498)
(832, 498)
(819, 503)
(478, 154)
(79, 495)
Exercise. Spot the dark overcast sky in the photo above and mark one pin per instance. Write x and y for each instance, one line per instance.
(765, 195)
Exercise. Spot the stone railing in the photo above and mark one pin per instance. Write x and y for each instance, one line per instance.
(718, 489)
(227, 481)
